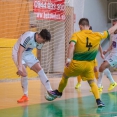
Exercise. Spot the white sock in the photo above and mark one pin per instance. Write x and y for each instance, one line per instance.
(99, 81)
(24, 84)
(108, 75)
(44, 80)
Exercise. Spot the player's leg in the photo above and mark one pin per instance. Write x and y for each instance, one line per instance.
(100, 88)
(109, 61)
(96, 69)
(24, 84)
(33, 63)
(103, 66)
(24, 80)
(113, 84)
(43, 78)
(63, 83)
(95, 91)
(96, 72)
(68, 72)
(88, 75)
(78, 85)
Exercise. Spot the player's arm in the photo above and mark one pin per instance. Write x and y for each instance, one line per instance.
(71, 50)
(70, 53)
(23, 44)
(19, 55)
(71, 47)
(39, 47)
(112, 29)
(110, 48)
(19, 60)
(101, 52)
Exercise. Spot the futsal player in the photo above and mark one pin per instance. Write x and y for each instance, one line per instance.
(22, 56)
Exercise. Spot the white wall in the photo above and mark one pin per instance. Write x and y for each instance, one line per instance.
(79, 11)
(96, 12)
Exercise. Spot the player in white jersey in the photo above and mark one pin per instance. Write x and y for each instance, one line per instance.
(110, 60)
(22, 56)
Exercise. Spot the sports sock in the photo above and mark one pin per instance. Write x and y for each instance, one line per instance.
(94, 89)
(109, 76)
(62, 84)
(24, 84)
(44, 80)
(99, 81)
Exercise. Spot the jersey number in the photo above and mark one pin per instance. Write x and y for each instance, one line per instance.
(88, 44)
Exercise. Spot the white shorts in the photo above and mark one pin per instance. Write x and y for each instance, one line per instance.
(112, 59)
(27, 58)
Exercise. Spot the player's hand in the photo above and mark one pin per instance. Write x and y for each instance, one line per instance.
(102, 56)
(104, 52)
(67, 64)
(20, 71)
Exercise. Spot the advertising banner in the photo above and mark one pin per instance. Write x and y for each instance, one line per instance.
(49, 9)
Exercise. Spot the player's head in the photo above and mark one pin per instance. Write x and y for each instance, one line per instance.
(84, 24)
(43, 36)
(114, 22)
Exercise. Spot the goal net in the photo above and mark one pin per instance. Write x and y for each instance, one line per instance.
(18, 16)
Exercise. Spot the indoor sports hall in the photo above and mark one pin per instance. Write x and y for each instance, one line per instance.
(61, 18)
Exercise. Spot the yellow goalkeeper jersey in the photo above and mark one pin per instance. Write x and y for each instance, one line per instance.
(87, 44)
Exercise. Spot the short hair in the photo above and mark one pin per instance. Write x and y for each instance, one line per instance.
(84, 22)
(45, 34)
(90, 28)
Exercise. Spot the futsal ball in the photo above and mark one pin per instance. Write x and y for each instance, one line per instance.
(48, 97)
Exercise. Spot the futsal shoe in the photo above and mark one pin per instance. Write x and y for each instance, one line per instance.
(100, 89)
(55, 94)
(78, 85)
(112, 86)
(24, 98)
(100, 103)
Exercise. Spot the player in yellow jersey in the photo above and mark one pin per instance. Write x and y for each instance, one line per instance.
(84, 47)
(79, 79)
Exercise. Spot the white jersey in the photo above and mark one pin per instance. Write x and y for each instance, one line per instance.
(114, 43)
(27, 40)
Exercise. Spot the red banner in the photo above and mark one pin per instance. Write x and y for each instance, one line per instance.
(49, 9)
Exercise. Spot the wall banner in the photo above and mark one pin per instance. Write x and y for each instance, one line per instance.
(49, 9)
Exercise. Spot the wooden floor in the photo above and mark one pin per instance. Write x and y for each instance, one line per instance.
(73, 103)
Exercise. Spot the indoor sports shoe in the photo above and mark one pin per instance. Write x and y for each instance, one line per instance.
(55, 93)
(100, 89)
(24, 98)
(112, 86)
(100, 103)
(78, 85)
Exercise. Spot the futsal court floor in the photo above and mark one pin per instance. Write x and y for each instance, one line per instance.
(73, 103)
